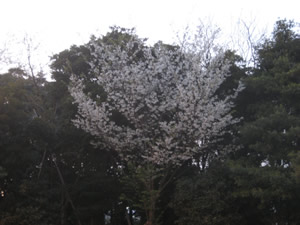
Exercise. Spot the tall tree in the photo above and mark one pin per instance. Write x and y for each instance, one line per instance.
(264, 168)
(48, 164)
(19, 110)
(167, 98)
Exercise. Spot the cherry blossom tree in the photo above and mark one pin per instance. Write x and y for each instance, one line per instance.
(166, 96)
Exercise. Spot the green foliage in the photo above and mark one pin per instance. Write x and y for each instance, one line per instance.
(295, 158)
(204, 198)
(137, 182)
(48, 163)
(270, 132)
(2, 172)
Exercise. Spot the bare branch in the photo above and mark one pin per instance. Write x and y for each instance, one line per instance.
(245, 38)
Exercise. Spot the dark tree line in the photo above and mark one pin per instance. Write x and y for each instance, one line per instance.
(51, 174)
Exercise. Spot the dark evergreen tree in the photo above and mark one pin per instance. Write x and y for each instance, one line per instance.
(264, 168)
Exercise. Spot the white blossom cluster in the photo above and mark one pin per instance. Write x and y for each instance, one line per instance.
(167, 95)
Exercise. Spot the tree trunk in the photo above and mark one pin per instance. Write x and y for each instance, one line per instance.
(63, 208)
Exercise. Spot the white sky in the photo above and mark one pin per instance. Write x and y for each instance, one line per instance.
(57, 24)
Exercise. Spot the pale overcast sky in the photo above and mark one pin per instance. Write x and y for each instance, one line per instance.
(57, 24)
